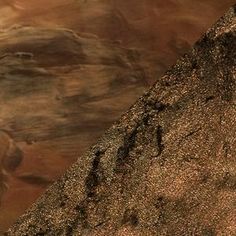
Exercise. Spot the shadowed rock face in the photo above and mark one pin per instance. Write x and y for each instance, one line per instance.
(167, 167)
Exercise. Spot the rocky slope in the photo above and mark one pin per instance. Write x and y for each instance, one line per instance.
(167, 167)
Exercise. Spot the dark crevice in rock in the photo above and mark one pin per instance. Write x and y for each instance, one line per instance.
(159, 106)
(130, 217)
(195, 64)
(41, 231)
(209, 98)
(152, 104)
(160, 204)
(189, 158)
(161, 218)
(182, 103)
(226, 149)
(159, 139)
(100, 224)
(208, 232)
(94, 176)
(227, 182)
(82, 216)
(69, 231)
(145, 120)
(124, 151)
(228, 88)
(63, 197)
(62, 204)
(92, 182)
(192, 133)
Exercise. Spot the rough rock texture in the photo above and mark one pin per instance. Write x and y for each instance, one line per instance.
(167, 167)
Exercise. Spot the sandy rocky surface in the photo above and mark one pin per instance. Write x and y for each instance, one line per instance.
(69, 69)
(167, 167)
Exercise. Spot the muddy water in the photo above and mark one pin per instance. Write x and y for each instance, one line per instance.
(67, 87)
